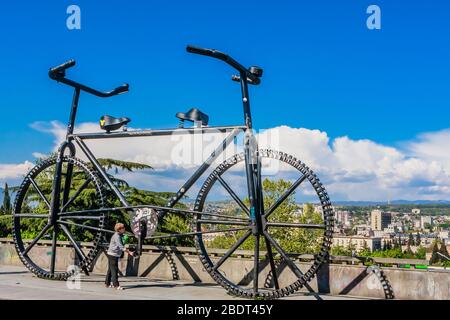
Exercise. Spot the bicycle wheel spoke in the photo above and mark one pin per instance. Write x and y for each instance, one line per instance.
(236, 223)
(77, 193)
(53, 257)
(256, 266)
(31, 215)
(39, 236)
(232, 249)
(289, 262)
(285, 196)
(74, 243)
(178, 235)
(233, 195)
(84, 226)
(272, 264)
(76, 217)
(295, 225)
(175, 210)
(38, 190)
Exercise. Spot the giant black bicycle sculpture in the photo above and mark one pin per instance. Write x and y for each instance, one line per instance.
(261, 221)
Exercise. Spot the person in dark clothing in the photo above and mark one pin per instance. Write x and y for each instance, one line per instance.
(115, 252)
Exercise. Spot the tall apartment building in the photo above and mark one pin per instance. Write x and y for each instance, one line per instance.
(379, 219)
(342, 217)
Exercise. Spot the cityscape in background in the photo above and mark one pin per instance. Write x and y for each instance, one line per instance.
(380, 228)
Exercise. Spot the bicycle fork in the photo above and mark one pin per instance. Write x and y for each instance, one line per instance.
(253, 171)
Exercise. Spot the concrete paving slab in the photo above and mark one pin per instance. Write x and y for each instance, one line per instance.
(17, 283)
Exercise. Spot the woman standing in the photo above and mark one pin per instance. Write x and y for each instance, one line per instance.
(115, 252)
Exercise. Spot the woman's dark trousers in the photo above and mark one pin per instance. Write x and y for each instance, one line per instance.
(112, 276)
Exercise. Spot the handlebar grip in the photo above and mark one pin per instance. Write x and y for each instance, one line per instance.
(122, 89)
(207, 52)
(62, 67)
(198, 50)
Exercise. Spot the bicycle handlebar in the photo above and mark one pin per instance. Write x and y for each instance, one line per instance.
(59, 74)
(226, 58)
(61, 68)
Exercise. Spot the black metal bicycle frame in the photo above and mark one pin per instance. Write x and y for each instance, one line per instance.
(252, 166)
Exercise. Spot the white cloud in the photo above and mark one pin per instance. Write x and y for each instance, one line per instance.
(350, 169)
(13, 173)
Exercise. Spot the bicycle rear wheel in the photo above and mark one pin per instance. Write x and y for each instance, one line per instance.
(291, 233)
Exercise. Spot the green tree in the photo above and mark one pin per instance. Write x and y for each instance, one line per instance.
(410, 240)
(340, 251)
(6, 206)
(435, 258)
(408, 252)
(418, 240)
(421, 253)
(443, 251)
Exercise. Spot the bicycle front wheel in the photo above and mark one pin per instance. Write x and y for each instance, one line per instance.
(296, 236)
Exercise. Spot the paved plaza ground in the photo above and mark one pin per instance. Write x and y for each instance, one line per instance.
(17, 283)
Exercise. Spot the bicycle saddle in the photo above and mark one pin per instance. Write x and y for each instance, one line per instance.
(109, 123)
(194, 115)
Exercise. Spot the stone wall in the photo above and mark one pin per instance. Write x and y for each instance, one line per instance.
(335, 279)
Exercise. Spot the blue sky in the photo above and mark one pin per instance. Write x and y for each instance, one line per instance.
(323, 69)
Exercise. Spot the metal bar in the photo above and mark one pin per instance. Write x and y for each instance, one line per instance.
(272, 264)
(256, 265)
(284, 196)
(152, 133)
(68, 203)
(73, 111)
(295, 225)
(74, 243)
(84, 226)
(43, 231)
(39, 192)
(31, 215)
(246, 100)
(232, 249)
(81, 217)
(53, 257)
(237, 223)
(153, 207)
(100, 170)
(289, 262)
(177, 235)
(233, 195)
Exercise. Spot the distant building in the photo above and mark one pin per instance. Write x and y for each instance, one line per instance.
(361, 229)
(379, 219)
(378, 233)
(417, 224)
(342, 217)
(444, 235)
(425, 220)
(358, 242)
(391, 229)
(415, 211)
